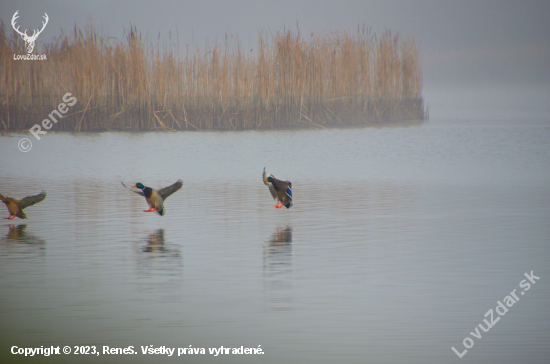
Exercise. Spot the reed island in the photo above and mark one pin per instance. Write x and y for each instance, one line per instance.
(287, 80)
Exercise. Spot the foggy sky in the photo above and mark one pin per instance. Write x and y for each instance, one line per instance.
(461, 41)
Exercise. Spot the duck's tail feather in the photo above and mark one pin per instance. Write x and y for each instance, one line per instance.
(20, 214)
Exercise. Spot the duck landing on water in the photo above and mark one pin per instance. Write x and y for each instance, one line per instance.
(15, 207)
(280, 190)
(155, 199)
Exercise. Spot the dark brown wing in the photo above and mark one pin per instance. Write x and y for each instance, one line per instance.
(281, 185)
(167, 191)
(31, 200)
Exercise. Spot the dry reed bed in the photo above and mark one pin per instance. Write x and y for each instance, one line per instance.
(338, 79)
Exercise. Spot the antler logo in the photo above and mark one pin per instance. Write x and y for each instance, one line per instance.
(29, 41)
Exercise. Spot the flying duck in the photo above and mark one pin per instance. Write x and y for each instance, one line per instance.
(15, 207)
(155, 199)
(280, 190)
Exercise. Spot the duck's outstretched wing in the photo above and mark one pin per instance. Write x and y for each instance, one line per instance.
(268, 184)
(31, 200)
(139, 192)
(167, 191)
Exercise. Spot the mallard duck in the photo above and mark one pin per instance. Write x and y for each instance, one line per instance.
(155, 199)
(15, 207)
(280, 190)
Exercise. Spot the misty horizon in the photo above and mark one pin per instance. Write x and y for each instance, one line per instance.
(465, 42)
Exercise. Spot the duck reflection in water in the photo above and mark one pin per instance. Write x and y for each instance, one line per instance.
(278, 251)
(18, 241)
(155, 242)
(278, 269)
(157, 254)
(157, 246)
(17, 233)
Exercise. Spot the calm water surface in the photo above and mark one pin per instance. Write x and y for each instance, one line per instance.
(399, 241)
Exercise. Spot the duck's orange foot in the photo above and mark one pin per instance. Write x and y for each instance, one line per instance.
(10, 217)
(150, 210)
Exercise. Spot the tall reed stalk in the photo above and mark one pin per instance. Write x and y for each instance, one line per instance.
(337, 79)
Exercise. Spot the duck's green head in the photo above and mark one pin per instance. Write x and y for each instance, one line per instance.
(269, 179)
(139, 185)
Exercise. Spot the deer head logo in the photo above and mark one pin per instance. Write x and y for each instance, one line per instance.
(29, 41)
